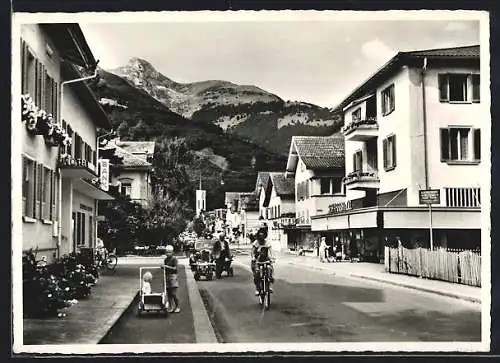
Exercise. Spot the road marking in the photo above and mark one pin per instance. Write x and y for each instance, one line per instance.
(203, 330)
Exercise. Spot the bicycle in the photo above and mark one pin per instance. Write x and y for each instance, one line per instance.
(264, 284)
(107, 261)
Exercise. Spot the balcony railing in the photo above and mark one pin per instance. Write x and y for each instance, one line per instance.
(371, 122)
(357, 176)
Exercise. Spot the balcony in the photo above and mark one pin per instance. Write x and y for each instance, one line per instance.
(362, 180)
(91, 188)
(341, 207)
(76, 168)
(361, 130)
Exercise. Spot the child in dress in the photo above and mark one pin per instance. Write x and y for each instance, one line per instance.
(146, 282)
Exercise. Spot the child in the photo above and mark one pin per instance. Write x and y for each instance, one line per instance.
(146, 283)
(170, 267)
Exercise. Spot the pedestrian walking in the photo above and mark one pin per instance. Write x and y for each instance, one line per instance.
(323, 248)
(170, 265)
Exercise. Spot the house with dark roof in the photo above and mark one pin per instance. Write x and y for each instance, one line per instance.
(262, 192)
(60, 116)
(414, 125)
(134, 176)
(280, 213)
(316, 165)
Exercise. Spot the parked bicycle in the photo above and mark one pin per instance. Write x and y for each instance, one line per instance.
(106, 260)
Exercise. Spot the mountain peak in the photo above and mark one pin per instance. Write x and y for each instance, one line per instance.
(140, 64)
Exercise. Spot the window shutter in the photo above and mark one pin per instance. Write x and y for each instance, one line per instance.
(445, 144)
(354, 168)
(476, 89)
(360, 166)
(384, 152)
(394, 151)
(39, 85)
(36, 204)
(443, 87)
(477, 144)
(392, 94)
(24, 67)
(55, 101)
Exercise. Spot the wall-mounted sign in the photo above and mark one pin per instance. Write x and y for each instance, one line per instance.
(429, 196)
(104, 175)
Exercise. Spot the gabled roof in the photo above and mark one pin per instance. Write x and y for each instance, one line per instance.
(284, 187)
(262, 180)
(415, 59)
(137, 147)
(317, 152)
(129, 161)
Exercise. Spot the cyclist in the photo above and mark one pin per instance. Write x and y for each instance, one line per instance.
(261, 252)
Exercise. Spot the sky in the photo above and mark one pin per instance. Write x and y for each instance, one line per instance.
(314, 61)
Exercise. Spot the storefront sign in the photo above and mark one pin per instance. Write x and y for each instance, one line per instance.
(429, 196)
(104, 176)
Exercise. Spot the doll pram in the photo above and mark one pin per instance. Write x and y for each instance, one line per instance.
(155, 301)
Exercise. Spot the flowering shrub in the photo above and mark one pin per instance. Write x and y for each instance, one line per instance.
(42, 123)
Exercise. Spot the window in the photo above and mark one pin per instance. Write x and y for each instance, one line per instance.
(389, 151)
(337, 186)
(79, 228)
(357, 161)
(456, 87)
(325, 186)
(28, 187)
(388, 102)
(356, 115)
(126, 189)
(460, 144)
(476, 88)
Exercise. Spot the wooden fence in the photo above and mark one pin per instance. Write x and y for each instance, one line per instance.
(462, 267)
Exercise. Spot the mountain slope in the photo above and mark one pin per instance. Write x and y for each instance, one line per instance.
(244, 110)
(139, 116)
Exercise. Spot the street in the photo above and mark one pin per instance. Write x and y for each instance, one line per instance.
(313, 306)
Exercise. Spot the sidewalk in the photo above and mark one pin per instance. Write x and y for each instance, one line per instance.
(89, 321)
(376, 272)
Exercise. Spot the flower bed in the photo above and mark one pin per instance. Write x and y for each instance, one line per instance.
(47, 289)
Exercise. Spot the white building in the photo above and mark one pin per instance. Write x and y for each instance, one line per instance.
(316, 164)
(414, 124)
(59, 186)
(280, 210)
(133, 178)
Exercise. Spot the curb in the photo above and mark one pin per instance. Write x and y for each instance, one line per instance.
(110, 323)
(203, 329)
(400, 284)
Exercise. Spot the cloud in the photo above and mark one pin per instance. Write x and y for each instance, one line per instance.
(456, 26)
(377, 50)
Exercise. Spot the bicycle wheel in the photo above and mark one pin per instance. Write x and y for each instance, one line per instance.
(111, 262)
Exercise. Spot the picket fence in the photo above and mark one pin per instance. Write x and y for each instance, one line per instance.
(462, 267)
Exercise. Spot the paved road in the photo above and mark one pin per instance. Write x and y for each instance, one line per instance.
(313, 306)
(155, 328)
